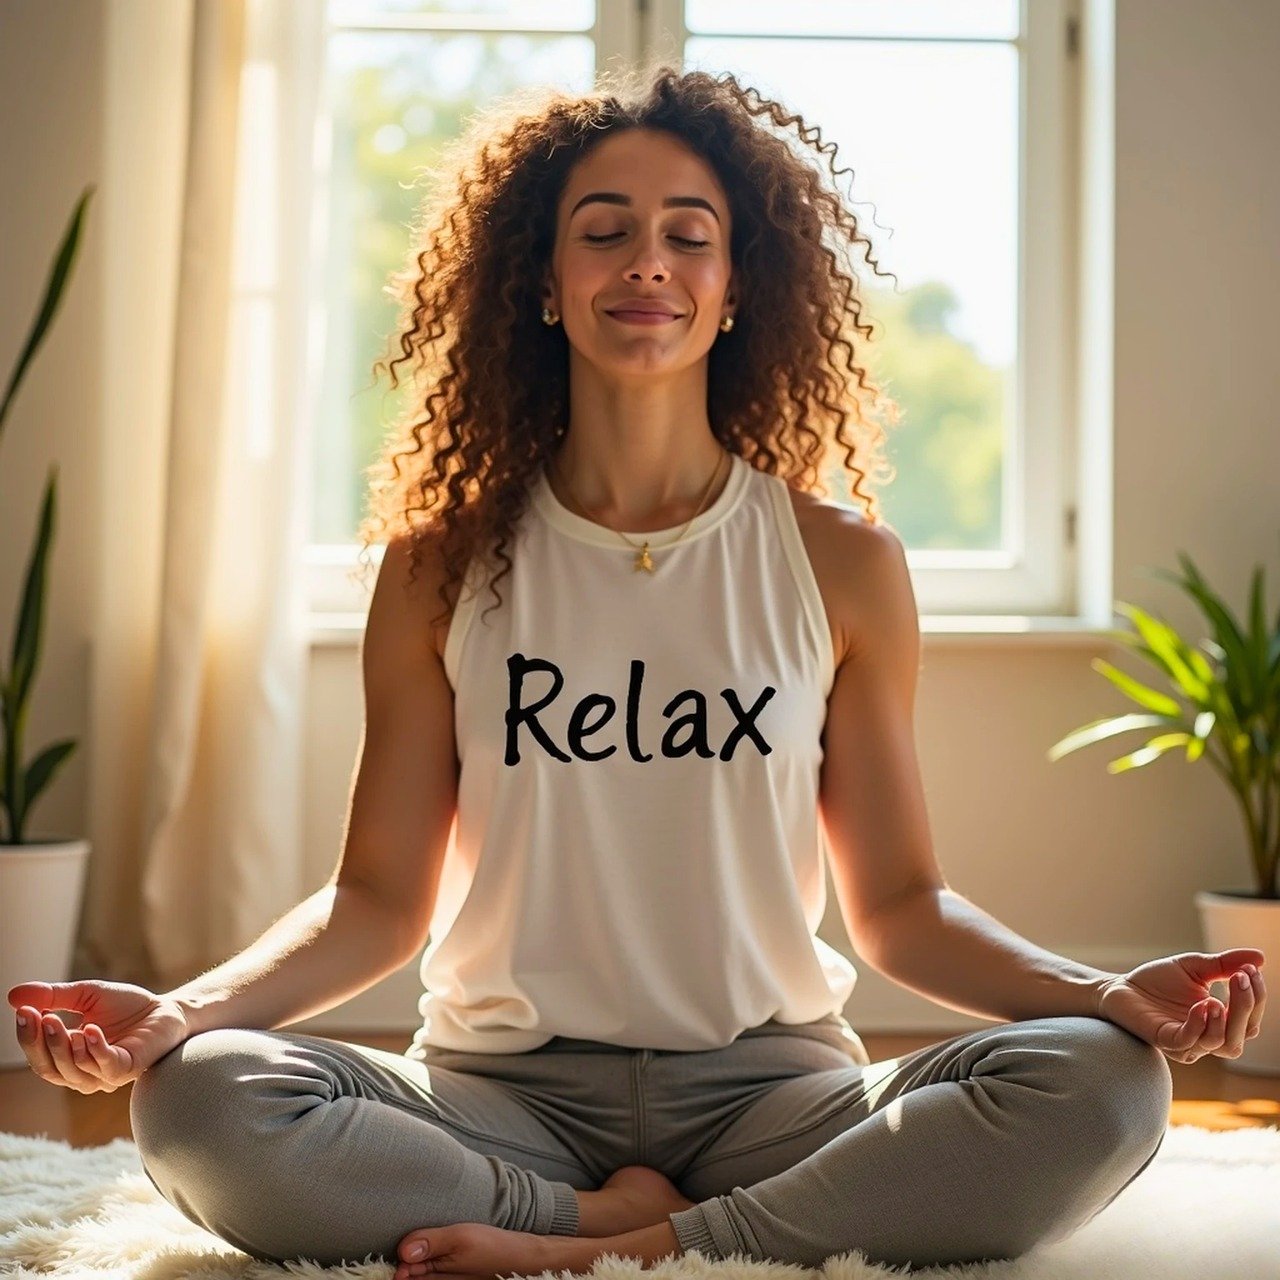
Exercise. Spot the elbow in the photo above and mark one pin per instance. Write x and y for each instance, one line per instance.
(899, 915)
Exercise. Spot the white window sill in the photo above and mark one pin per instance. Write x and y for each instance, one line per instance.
(330, 630)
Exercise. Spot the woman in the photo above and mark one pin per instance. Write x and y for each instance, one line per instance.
(628, 316)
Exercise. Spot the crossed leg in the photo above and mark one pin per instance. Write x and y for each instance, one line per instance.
(975, 1148)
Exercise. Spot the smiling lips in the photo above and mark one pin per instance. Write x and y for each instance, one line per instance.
(644, 302)
(642, 311)
(642, 317)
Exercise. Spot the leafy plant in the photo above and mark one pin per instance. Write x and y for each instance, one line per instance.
(20, 785)
(1224, 706)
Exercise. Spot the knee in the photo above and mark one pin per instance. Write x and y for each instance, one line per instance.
(193, 1118)
(1126, 1083)
(177, 1101)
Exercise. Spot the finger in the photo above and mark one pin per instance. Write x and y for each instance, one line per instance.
(1222, 966)
(1191, 1040)
(105, 1055)
(35, 1045)
(58, 1041)
(1214, 1035)
(25, 1030)
(1215, 1020)
(81, 1056)
(1241, 1007)
(1198, 1027)
(1259, 1001)
(1182, 1036)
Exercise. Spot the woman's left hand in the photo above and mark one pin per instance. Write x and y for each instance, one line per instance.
(1168, 1004)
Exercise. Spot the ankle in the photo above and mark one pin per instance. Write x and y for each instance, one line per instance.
(597, 1212)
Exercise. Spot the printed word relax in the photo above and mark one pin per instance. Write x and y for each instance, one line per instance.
(685, 734)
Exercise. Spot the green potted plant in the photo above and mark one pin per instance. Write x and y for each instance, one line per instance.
(41, 877)
(1222, 704)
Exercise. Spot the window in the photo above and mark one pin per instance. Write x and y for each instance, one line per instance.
(956, 121)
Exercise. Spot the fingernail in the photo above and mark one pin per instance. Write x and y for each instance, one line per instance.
(22, 1022)
(415, 1251)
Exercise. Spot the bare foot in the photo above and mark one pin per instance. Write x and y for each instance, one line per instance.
(644, 1197)
(479, 1251)
(476, 1251)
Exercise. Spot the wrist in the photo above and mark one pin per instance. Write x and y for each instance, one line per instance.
(192, 1009)
(1099, 988)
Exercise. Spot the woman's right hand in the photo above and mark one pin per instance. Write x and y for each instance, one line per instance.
(125, 1029)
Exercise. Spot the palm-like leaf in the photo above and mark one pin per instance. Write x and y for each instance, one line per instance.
(54, 288)
(1099, 729)
(27, 634)
(1222, 703)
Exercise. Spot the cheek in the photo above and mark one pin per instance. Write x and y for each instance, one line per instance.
(584, 297)
(707, 284)
(582, 274)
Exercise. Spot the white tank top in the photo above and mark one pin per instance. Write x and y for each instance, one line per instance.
(637, 855)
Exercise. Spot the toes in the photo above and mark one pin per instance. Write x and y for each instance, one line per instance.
(411, 1270)
(414, 1238)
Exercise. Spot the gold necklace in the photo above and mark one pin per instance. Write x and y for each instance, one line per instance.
(643, 559)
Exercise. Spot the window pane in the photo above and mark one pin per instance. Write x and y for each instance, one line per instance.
(931, 135)
(976, 19)
(395, 98)
(554, 15)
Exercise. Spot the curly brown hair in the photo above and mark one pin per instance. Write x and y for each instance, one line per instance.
(460, 462)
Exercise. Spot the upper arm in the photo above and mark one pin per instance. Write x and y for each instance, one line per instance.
(871, 794)
(404, 793)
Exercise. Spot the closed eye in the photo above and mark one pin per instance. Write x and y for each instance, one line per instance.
(696, 244)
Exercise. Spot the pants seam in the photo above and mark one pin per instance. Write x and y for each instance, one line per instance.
(645, 1055)
(763, 1145)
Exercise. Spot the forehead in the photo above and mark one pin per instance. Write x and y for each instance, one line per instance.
(645, 164)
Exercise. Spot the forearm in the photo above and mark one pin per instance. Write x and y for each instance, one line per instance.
(940, 945)
(330, 947)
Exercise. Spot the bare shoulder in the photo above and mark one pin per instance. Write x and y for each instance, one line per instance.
(414, 566)
(850, 558)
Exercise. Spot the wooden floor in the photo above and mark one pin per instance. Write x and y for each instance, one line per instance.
(1204, 1094)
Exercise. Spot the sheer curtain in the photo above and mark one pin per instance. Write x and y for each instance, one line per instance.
(200, 645)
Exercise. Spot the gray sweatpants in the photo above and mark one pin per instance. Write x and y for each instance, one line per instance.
(976, 1148)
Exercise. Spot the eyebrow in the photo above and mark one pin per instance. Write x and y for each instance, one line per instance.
(671, 202)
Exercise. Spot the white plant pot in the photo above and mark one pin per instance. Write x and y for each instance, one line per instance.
(41, 889)
(1231, 919)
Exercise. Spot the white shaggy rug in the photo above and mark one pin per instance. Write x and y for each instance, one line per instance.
(1206, 1208)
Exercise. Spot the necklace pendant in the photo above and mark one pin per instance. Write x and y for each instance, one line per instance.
(644, 561)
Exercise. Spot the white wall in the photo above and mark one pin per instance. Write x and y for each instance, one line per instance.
(1096, 867)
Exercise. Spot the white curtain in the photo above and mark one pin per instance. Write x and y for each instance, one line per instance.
(199, 670)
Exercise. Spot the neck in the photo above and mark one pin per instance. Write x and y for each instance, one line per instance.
(630, 485)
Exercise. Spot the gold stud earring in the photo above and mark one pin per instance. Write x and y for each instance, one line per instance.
(549, 316)
(726, 324)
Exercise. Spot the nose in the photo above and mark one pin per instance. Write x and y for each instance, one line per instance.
(647, 263)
